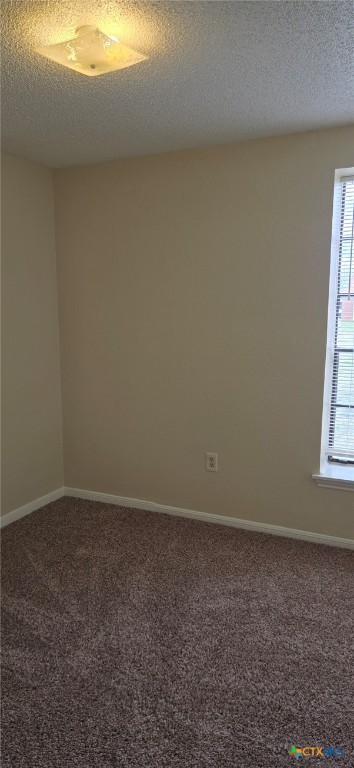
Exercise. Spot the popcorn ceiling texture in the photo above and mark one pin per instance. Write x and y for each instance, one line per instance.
(217, 72)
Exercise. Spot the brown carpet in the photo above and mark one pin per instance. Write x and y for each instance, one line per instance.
(142, 640)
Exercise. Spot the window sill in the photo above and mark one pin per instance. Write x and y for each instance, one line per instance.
(337, 477)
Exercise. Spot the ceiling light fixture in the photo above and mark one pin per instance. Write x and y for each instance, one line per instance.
(92, 53)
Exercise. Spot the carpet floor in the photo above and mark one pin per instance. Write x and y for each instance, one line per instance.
(137, 639)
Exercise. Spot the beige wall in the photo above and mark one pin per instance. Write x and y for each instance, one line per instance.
(31, 407)
(193, 306)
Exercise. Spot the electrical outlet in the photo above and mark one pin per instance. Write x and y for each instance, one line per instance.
(211, 462)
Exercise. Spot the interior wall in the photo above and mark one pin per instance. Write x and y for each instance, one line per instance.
(32, 463)
(193, 310)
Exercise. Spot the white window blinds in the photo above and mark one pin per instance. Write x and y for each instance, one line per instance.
(340, 425)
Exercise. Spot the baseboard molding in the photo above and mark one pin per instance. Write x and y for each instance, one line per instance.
(151, 506)
(16, 514)
(233, 522)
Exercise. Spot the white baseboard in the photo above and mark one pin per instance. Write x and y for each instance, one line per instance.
(16, 514)
(151, 506)
(234, 522)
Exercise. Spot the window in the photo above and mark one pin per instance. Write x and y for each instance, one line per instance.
(338, 408)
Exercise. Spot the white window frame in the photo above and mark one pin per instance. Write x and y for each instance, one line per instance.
(340, 477)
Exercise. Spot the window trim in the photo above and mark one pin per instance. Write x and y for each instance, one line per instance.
(331, 475)
(337, 476)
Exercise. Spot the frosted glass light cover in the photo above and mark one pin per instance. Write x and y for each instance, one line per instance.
(92, 53)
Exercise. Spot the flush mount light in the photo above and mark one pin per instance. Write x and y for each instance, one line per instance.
(92, 53)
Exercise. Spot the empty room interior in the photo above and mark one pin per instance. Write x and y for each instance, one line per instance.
(177, 383)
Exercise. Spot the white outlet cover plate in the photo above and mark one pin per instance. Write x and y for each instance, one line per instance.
(211, 462)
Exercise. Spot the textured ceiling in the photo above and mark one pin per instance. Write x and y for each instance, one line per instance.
(217, 72)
